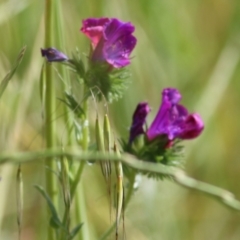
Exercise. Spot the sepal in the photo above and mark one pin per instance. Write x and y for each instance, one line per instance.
(107, 82)
(159, 151)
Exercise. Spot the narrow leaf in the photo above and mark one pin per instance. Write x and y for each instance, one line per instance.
(119, 188)
(74, 232)
(8, 77)
(107, 142)
(54, 221)
(72, 103)
(101, 147)
(107, 164)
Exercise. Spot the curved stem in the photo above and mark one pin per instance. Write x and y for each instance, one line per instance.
(179, 176)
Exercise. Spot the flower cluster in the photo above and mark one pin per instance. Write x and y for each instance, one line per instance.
(171, 122)
(161, 140)
(111, 39)
(112, 42)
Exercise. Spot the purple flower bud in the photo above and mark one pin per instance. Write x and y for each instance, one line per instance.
(111, 39)
(138, 121)
(53, 55)
(173, 120)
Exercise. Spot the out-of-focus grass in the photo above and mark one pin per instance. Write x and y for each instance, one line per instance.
(191, 45)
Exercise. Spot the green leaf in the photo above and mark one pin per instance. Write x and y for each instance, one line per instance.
(74, 232)
(8, 77)
(54, 221)
(72, 103)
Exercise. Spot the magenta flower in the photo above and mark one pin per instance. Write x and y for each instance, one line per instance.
(112, 40)
(173, 120)
(53, 55)
(138, 121)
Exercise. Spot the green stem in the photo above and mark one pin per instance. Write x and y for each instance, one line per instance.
(51, 184)
(178, 176)
(77, 179)
(84, 144)
(59, 41)
(130, 189)
(19, 195)
(80, 204)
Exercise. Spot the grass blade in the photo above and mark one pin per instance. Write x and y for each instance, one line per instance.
(8, 77)
(119, 188)
(55, 220)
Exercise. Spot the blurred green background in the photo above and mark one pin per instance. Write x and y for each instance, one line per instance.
(191, 45)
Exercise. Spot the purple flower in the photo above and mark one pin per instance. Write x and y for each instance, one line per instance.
(173, 120)
(139, 119)
(112, 40)
(53, 55)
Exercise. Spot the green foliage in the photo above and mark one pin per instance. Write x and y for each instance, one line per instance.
(77, 64)
(55, 221)
(101, 79)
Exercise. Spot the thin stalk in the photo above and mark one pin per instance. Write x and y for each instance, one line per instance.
(84, 145)
(50, 106)
(65, 171)
(81, 215)
(77, 177)
(130, 189)
(119, 188)
(80, 204)
(19, 194)
(125, 204)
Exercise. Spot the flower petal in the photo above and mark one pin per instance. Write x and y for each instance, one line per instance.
(138, 121)
(173, 119)
(112, 40)
(119, 43)
(169, 115)
(172, 95)
(93, 28)
(192, 127)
